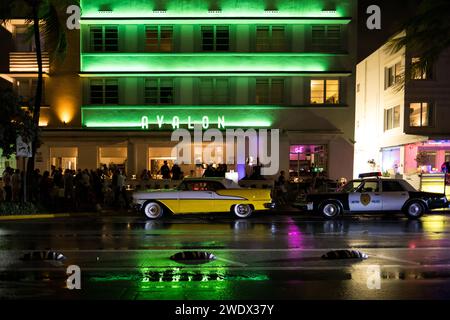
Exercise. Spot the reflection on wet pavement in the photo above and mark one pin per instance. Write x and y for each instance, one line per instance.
(270, 257)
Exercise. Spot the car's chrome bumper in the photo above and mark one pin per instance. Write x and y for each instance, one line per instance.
(270, 205)
(305, 206)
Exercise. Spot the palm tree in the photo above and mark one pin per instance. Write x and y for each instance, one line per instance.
(426, 34)
(47, 18)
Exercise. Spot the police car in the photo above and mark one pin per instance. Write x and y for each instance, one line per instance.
(373, 193)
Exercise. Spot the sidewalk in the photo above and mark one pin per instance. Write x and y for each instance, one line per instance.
(102, 213)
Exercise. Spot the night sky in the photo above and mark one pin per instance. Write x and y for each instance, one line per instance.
(393, 14)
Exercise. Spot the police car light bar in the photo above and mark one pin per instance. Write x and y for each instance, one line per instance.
(370, 175)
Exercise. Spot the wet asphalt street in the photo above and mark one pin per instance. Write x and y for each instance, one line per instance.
(276, 256)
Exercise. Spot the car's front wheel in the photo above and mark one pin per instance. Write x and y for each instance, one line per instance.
(414, 210)
(242, 210)
(153, 210)
(330, 209)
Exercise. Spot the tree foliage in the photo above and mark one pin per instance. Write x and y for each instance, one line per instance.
(427, 34)
(14, 121)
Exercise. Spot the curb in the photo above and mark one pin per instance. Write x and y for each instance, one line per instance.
(44, 216)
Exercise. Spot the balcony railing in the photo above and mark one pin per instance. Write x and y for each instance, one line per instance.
(27, 62)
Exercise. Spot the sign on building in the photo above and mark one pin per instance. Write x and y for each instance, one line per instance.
(23, 148)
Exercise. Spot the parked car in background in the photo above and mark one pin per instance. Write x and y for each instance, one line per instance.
(371, 193)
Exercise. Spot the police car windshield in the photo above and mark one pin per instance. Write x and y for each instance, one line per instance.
(352, 186)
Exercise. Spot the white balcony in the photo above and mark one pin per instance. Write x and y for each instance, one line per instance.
(26, 62)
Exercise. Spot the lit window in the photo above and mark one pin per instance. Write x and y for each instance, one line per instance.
(104, 38)
(418, 73)
(214, 91)
(270, 38)
(325, 91)
(215, 38)
(393, 75)
(158, 91)
(420, 114)
(158, 38)
(269, 91)
(392, 118)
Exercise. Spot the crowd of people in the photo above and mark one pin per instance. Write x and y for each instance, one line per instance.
(68, 188)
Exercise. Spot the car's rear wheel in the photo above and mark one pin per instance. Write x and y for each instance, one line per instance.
(153, 210)
(414, 210)
(242, 210)
(330, 209)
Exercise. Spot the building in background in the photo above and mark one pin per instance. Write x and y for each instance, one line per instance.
(403, 129)
(137, 67)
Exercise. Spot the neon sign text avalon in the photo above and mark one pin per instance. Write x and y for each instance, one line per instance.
(175, 122)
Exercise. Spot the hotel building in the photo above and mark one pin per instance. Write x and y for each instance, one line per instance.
(404, 129)
(136, 68)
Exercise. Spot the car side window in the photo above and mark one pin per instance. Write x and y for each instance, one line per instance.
(183, 187)
(213, 186)
(392, 186)
(369, 186)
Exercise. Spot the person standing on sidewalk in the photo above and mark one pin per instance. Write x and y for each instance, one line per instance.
(16, 184)
(7, 184)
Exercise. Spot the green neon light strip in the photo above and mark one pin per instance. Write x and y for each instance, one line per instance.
(162, 108)
(258, 62)
(228, 8)
(115, 124)
(130, 116)
(214, 74)
(210, 54)
(208, 20)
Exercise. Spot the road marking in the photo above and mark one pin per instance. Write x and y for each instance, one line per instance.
(395, 259)
(232, 262)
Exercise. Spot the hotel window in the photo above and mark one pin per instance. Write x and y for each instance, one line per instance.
(270, 38)
(269, 91)
(418, 73)
(393, 75)
(104, 91)
(421, 114)
(326, 37)
(158, 38)
(214, 91)
(215, 38)
(158, 91)
(104, 38)
(392, 118)
(325, 91)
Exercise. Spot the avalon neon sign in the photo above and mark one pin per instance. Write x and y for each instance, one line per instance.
(175, 122)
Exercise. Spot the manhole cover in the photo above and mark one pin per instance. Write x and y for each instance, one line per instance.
(193, 257)
(344, 254)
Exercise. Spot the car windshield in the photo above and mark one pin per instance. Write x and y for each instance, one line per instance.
(200, 186)
(352, 186)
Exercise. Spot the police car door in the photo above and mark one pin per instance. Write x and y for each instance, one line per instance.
(367, 197)
(394, 195)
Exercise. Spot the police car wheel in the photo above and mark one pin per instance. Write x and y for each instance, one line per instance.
(415, 210)
(330, 209)
(242, 210)
(153, 210)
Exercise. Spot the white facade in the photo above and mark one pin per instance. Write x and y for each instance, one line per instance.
(387, 137)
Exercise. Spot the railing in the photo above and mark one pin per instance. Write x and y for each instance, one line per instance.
(27, 62)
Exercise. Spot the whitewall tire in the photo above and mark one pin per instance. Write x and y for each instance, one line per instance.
(242, 210)
(153, 210)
